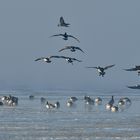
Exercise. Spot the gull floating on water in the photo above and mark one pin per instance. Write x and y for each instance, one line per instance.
(71, 48)
(88, 100)
(101, 70)
(65, 35)
(51, 106)
(98, 101)
(73, 99)
(62, 23)
(136, 68)
(114, 108)
(124, 100)
(110, 103)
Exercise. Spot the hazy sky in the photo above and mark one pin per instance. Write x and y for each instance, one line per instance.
(109, 33)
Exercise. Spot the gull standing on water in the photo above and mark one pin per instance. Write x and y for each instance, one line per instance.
(65, 35)
(71, 48)
(62, 23)
(101, 70)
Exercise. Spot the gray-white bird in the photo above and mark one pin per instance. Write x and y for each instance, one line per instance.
(101, 70)
(65, 35)
(71, 48)
(62, 23)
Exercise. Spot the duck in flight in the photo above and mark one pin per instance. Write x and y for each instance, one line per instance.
(101, 70)
(70, 60)
(71, 48)
(62, 23)
(134, 87)
(47, 59)
(136, 68)
(65, 36)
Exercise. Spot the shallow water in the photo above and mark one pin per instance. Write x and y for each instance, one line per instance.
(30, 120)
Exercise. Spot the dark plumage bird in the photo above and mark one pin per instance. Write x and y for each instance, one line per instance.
(47, 59)
(110, 103)
(134, 87)
(65, 35)
(124, 101)
(136, 68)
(49, 105)
(88, 100)
(73, 99)
(71, 48)
(101, 70)
(62, 23)
(70, 60)
(114, 108)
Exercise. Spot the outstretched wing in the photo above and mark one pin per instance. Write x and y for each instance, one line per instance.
(79, 49)
(55, 56)
(73, 37)
(92, 67)
(66, 47)
(57, 35)
(41, 58)
(75, 59)
(109, 66)
(131, 69)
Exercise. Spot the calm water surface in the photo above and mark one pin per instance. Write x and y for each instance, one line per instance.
(30, 120)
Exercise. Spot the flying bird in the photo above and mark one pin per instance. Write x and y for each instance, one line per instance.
(65, 35)
(62, 23)
(136, 68)
(47, 59)
(71, 48)
(134, 87)
(101, 70)
(70, 59)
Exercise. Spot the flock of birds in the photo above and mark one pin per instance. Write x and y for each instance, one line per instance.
(101, 70)
(11, 100)
(71, 48)
(123, 103)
